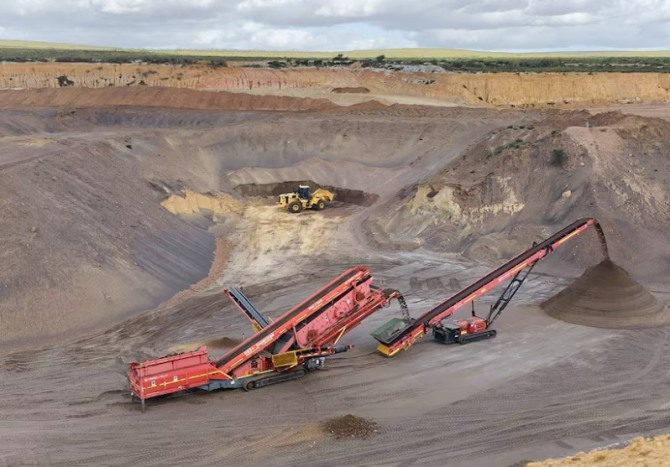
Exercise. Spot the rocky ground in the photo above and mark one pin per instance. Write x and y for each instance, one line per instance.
(114, 199)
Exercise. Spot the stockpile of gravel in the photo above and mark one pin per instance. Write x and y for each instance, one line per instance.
(350, 426)
(605, 296)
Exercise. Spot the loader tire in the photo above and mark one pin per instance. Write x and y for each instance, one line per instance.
(295, 207)
(320, 205)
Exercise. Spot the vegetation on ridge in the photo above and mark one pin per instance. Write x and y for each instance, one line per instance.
(450, 60)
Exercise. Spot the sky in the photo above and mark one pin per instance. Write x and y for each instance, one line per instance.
(342, 25)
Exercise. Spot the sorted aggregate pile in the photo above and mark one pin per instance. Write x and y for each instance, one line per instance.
(605, 296)
(350, 426)
(648, 452)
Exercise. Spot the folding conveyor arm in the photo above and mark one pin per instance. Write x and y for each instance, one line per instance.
(395, 338)
(242, 302)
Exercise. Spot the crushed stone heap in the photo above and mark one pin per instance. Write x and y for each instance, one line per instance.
(605, 296)
(350, 426)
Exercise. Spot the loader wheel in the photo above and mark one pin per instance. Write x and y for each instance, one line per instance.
(295, 207)
(321, 204)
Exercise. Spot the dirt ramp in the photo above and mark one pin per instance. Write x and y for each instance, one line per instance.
(605, 296)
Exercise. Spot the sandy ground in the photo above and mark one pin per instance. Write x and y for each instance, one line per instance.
(651, 452)
(541, 388)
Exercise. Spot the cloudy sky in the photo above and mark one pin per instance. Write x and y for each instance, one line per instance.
(340, 25)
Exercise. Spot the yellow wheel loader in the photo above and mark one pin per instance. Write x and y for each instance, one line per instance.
(303, 199)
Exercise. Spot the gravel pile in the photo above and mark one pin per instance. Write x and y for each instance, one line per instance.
(605, 296)
(350, 426)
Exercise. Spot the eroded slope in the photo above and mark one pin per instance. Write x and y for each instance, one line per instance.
(524, 181)
(87, 240)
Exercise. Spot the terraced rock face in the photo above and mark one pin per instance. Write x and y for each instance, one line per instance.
(351, 85)
(605, 296)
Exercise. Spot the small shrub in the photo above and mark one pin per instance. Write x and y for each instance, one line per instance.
(495, 152)
(64, 81)
(554, 132)
(558, 157)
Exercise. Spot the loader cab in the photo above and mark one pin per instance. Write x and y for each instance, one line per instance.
(303, 192)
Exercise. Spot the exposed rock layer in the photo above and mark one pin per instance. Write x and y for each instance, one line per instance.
(519, 89)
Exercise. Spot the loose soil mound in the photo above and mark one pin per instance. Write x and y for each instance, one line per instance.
(155, 97)
(350, 426)
(650, 452)
(354, 90)
(605, 296)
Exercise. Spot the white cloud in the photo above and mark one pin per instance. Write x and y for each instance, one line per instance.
(350, 8)
(339, 25)
(148, 6)
(120, 6)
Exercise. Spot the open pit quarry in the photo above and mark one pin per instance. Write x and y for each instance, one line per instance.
(125, 210)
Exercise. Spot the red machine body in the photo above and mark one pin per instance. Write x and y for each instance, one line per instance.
(298, 341)
(471, 325)
(397, 335)
(281, 350)
(170, 374)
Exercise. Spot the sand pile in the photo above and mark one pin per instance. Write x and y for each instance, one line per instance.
(189, 202)
(224, 342)
(350, 426)
(650, 452)
(605, 296)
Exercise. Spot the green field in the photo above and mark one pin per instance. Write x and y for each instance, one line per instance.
(449, 59)
(5, 44)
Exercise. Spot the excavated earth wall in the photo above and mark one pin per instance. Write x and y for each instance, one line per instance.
(526, 181)
(497, 89)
